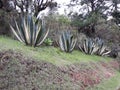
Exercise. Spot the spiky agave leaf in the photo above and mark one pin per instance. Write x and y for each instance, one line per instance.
(30, 30)
(88, 46)
(16, 34)
(67, 41)
(61, 43)
(94, 46)
(73, 43)
(102, 49)
(106, 53)
(41, 34)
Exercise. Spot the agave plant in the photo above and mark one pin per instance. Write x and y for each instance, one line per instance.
(103, 49)
(98, 41)
(30, 30)
(88, 46)
(67, 41)
(94, 46)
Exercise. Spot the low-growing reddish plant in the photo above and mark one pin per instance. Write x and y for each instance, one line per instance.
(90, 76)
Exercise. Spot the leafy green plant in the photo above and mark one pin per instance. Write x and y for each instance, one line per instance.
(67, 41)
(48, 42)
(30, 30)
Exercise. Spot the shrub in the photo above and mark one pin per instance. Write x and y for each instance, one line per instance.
(48, 42)
(114, 53)
(67, 41)
(30, 30)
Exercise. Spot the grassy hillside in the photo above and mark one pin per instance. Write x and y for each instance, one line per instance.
(51, 73)
(50, 54)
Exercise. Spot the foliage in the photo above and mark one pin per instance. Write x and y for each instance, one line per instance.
(115, 12)
(97, 6)
(91, 11)
(77, 20)
(48, 42)
(85, 20)
(114, 4)
(94, 46)
(102, 50)
(26, 6)
(30, 30)
(67, 41)
(4, 26)
(62, 19)
(88, 46)
(86, 23)
(57, 21)
(116, 15)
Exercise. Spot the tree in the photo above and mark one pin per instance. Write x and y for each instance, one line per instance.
(114, 4)
(25, 6)
(94, 8)
(116, 16)
(115, 12)
(14, 8)
(34, 6)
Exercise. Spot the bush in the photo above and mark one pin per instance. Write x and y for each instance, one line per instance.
(48, 42)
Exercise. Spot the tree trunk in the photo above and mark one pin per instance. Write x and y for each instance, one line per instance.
(1, 4)
(93, 28)
(115, 5)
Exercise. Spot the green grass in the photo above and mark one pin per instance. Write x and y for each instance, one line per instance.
(48, 53)
(110, 84)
